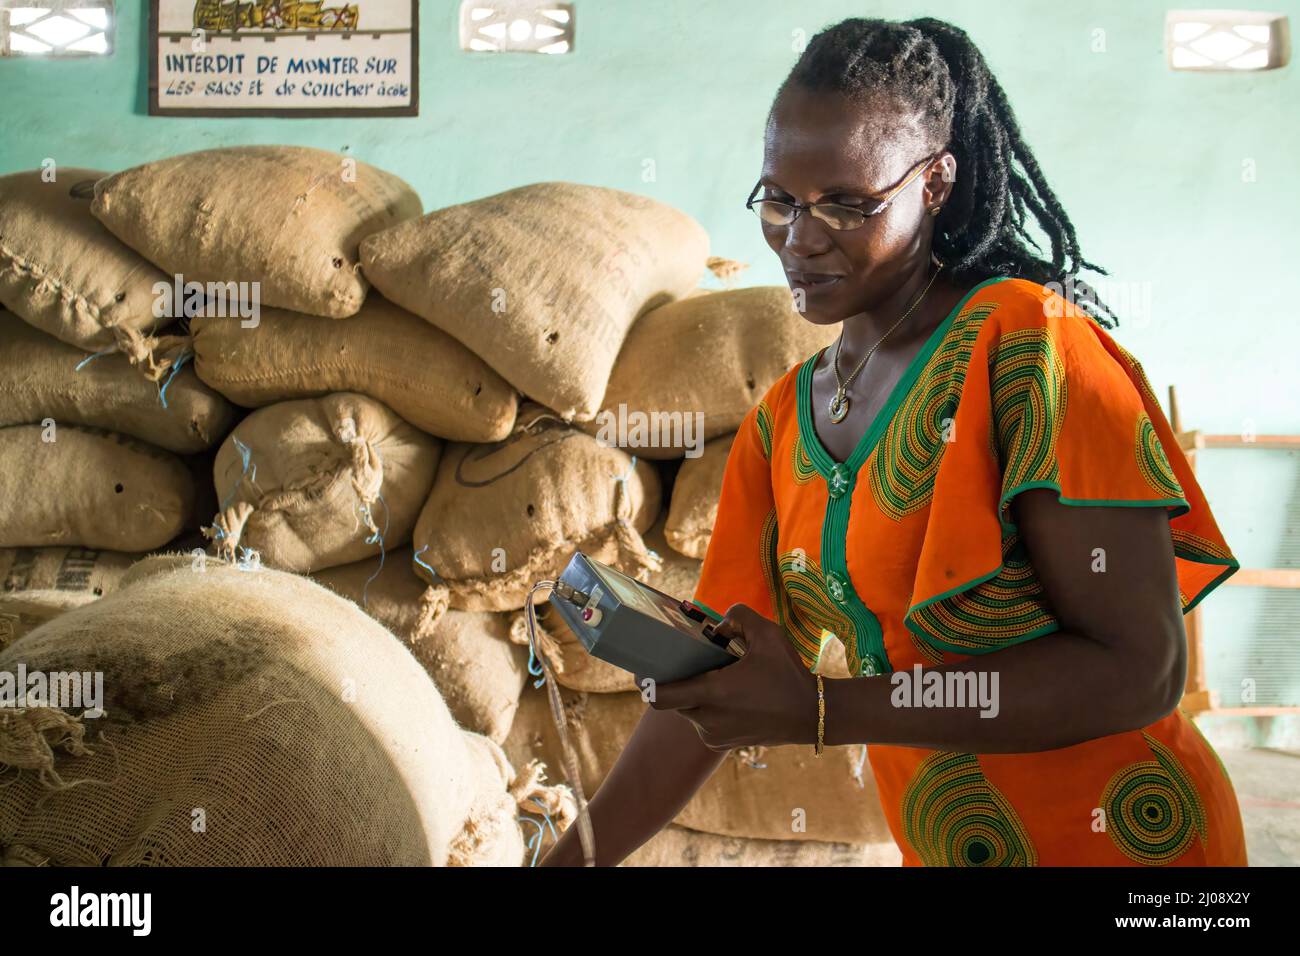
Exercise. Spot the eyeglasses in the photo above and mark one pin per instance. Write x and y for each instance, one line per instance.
(775, 212)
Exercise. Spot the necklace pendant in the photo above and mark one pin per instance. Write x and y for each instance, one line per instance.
(839, 407)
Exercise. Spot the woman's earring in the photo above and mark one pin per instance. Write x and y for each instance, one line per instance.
(935, 210)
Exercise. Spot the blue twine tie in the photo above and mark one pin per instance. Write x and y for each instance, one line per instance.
(535, 844)
(90, 358)
(245, 455)
(162, 392)
(416, 558)
(535, 668)
(376, 537)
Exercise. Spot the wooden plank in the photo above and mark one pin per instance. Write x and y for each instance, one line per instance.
(1286, 442)
(1288, 578)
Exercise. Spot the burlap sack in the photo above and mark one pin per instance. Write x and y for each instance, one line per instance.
(694, 505)
(835, 792)
(491, 836)
(467, 653)
(251, 718)
(89, 488)
(39, 584)
(542, 281)
(503, 516)
(40, 378)
(287, 217)
(573, 666)
(715, 355)
(79, 573)
(66, 274)
(319, 482)
(424, 375)
(678, 846)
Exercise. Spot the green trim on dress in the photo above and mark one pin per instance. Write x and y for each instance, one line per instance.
(870, 644)
(707, 610)
(1230, 566)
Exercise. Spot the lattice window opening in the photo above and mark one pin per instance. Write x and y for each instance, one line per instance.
(56, 28)
(1226, 40)
(516, 26)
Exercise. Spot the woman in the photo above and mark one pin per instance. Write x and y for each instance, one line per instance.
(975, 480)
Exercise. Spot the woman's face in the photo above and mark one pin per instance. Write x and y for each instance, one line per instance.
(822, 147)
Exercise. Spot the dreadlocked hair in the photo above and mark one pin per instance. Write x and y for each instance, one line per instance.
(934, 70)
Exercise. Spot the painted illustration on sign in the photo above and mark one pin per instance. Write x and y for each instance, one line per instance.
(218, 15)
(283, 58)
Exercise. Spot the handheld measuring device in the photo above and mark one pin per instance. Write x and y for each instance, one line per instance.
(636, 627)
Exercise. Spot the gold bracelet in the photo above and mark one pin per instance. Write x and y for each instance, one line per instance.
(821, 717)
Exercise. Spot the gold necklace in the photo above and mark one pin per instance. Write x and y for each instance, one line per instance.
(839, 403)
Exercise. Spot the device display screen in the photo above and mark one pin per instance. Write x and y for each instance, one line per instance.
(642, 598)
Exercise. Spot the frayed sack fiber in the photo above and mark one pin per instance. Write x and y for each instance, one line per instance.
(572, 665)
(251, 718)
(423, 374)
(505, 515)
(756, 793)
(678, 846)
(693, 508)
(319, 482)
(467, 653)
(41, 377)
(542, 281)
(65, 274)
(492, 835)
(287, 217)
(707, 359)
(90, 488)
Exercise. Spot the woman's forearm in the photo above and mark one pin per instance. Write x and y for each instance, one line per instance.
(1059, 690)
(656, 775)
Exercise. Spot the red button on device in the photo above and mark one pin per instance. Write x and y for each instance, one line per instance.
(691, 611)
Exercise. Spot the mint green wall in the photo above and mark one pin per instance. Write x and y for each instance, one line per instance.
(1148, 162)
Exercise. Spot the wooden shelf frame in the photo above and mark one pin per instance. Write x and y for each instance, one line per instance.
(1198, 698)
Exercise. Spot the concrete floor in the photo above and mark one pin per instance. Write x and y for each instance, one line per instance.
(1268, 790)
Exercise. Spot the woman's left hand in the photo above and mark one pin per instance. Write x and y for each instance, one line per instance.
(767, 698)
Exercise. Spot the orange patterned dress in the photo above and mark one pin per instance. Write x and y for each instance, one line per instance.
(907, 552)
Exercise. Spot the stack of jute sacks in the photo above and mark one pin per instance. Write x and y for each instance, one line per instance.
(103, 423)
(428, 449)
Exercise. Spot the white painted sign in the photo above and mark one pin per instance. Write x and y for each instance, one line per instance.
(283, 57)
